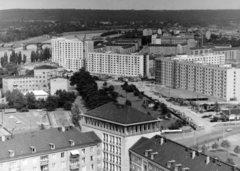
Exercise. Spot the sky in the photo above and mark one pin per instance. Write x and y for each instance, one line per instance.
(122, 4)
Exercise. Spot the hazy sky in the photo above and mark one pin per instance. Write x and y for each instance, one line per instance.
(122, 4)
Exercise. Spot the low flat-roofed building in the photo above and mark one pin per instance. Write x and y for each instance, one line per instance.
(51, 149)
(39, 94)
(161, 154)
(231, 54)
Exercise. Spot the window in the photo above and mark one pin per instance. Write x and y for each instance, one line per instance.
(92, 166)
(53, 156)
(35, 169)
(62, 155)
(83, 151)
(83, 160)
(91, 158)
(1, 167)
(63, 165)
(53, 165)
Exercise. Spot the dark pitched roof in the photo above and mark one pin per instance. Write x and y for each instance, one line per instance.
(45, 67)
(171, 150)
(119, 113)
(20, 143)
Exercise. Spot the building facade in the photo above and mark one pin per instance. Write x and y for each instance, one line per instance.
(62, 149)
(231, 54)
(161, 49)
(121, 48)
(217, 80)
(117, 64)
(38, 81)
(58, 83)
(161, 154)
(71, 54)
(119, 127)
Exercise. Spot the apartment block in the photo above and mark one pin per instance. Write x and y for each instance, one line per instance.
(164, 49)
(161, 154)
(121, 48)
(119, 127)
(231, 54)
(61, 149)
(212, 78)
(117, 64)
(70, 53)
(38, 81)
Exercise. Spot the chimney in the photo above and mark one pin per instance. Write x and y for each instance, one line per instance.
(11, 153)
(33, 149)
(153, 154)
(63, 129)
(169, 164)
(193, 154)
(3, 138)
(177, 167)
(71, 142)
(161, 140)
(207, 159)
(146, 152)
(52, 146)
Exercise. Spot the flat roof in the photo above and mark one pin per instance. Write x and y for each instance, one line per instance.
(38, 92)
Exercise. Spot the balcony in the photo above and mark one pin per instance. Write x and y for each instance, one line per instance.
(15, 169)
(43, 162)
(74, 166)
(74, 158)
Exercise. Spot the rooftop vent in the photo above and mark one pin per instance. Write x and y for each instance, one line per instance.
(170, 163)
(162, 141)
(207, 159)
(52, 146)
(11, 153)
(153, 154)
(33, 149)
(63, 129)
(193, 154)
(147, 151)
(71, 142)
(177, 167)
(185, 169)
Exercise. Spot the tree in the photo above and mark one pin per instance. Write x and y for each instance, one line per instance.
(11, 68)
(67, 105)
(111, 88)
(41, 127)
(230, 161)
(216, 107)
(215, 146)
(225, 144)
(164, 109)
(140, 96)
(29, 72)
(19, 58)
(33, 56)
(51, 103)
(75, 115)
(24, 58)
(128, 103)
(31, 100)
(105, 84)
(16, 99)
(237, 149)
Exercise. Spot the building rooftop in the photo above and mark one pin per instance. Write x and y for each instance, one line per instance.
(200, 48)
(226, 49)
(45, 67)
(20, 143)
(164, 45)
(167, 151)
(120, 114)
(19, 76)
(38, 92)
(231, 111)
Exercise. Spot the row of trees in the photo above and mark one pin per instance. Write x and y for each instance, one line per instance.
(40, 56)
(62, 99)
(88, 89)
(16, 58)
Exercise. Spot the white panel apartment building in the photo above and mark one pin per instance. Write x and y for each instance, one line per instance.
(69, 53)
(117, 64)
(217, 80)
